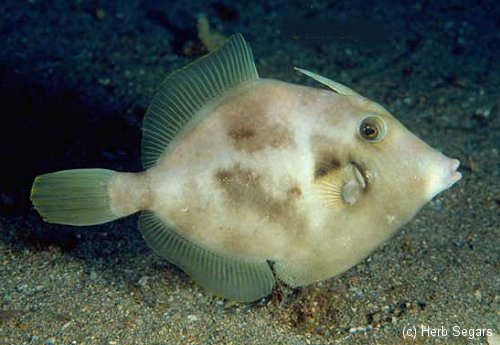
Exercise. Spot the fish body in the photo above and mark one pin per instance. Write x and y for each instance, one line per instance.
(244, 173)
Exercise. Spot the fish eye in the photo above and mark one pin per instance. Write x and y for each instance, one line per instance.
(372, 129)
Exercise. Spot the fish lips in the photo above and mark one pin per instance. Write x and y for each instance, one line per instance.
(453, 174)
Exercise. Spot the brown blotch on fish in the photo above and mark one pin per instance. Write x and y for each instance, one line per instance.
(295, 192)
(252, 127)
(326, 158)
(243, 189)
(325, 165)
(241, 133)
(254, 136)
(223, 176)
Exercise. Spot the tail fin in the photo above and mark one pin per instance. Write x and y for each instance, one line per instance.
(74, 197)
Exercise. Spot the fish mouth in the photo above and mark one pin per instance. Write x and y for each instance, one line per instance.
(443, 174)
(454, 175)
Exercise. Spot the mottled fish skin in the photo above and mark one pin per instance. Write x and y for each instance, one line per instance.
(243, 180)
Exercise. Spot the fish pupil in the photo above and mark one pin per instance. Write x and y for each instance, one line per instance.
(369, 131)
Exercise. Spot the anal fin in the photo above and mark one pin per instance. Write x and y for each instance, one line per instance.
(233, 278)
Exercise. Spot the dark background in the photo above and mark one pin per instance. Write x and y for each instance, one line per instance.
(76, 78)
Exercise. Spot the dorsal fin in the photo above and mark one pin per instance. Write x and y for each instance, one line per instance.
(188, 89)
(337, 87)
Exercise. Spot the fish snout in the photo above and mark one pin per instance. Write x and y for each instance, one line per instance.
(443, 174)
(455, 175)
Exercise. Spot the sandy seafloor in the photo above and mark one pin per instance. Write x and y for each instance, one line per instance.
(76, 78)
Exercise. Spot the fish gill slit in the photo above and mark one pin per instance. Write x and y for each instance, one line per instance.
(360, 174)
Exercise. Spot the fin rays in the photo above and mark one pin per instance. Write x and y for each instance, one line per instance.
(184, 92)
(330, 190)
(75, 197)
(233, 278)
(337, 87)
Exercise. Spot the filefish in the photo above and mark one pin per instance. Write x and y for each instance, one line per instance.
(248, 180)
